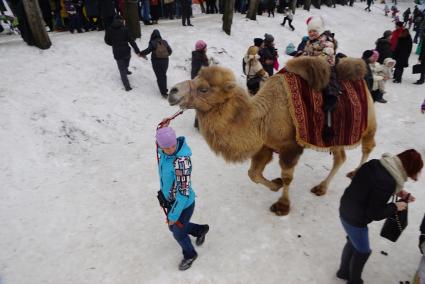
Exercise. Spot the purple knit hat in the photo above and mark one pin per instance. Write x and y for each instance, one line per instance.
(166, 137)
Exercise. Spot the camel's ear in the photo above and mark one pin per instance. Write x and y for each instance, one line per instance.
(229, 86)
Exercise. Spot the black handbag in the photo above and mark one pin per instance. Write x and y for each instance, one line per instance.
(418, 68)
(395, 224)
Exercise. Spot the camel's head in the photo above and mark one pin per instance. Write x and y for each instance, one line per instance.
(213, 86)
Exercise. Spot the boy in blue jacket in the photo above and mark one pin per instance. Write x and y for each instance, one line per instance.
(175, 170)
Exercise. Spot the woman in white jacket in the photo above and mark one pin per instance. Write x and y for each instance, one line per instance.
(255, 74)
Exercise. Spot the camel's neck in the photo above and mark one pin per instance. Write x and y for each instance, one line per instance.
(231, 130)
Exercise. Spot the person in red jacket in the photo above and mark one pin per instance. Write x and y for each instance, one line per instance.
(395, 35)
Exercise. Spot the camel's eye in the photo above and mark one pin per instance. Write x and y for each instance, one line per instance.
(203, 90)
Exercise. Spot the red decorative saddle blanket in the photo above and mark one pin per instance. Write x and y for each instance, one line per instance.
(349, 119)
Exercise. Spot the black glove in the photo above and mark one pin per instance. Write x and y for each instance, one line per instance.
(421, 242)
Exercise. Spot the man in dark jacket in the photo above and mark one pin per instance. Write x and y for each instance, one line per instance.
(107, 12)
(118, 36)
(383, 46)
(268, 54)
(186, 12)
(401, 54)
(366, 200)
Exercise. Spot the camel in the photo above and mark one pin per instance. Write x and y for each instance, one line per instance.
(238, 126)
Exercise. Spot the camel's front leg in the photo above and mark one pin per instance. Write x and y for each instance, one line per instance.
(339, 159)
(288, 159)
(258, 163)
(368, 143)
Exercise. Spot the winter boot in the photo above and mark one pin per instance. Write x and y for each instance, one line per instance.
(344, 268)
(201, 239)
(357, 263)
(186, 263)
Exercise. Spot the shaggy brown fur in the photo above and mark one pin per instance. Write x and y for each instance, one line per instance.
(239, 127)
(315, 70)
(351, 69)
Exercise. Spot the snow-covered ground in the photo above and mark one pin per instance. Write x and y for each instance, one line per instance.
(79, 179)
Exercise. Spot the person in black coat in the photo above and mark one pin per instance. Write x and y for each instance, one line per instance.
(107, 12)
(268, 54)
(366, 200)
(199, 59)
(383, 46)
(186, 12)
(159, 60)
(422, 61)
(402, 54)
(118, 36)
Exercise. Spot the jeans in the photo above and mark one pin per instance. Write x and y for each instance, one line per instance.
(359, 237)
(160, 67)
(182, 234)
(146, 11)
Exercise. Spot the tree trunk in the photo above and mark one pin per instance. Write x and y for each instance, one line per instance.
(131, 16)
(36, 24)
(293, 6)
(228, 16)
(307, 4)
(252, 9)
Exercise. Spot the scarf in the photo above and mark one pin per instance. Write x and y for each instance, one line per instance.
(394, 166)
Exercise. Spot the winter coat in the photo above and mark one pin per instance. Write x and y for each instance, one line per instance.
(365, 199)
(254, 68)
(288, 14)
(267, 55)
(153, 42)
(199, 59)
(119, 37)
(175, 178)
(92, 8)
(321, 46)
(394, 37)
(107, 8)
(377, 74)
(383, 46)
(402, 51)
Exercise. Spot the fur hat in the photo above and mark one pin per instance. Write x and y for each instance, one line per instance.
(367, 54)
(412, 162)
(166, 137)
(258, 41)
(315, 23)
(200, 45)
(268, 38)
(253, 50)
(389, 62)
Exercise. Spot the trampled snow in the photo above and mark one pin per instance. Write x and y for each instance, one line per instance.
(79, 178)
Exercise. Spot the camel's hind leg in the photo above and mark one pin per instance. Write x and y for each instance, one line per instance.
(288, 158)
(258, 163)
(339, 159)
(368, 143)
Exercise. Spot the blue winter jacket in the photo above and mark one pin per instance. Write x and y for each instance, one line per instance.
(175, 178)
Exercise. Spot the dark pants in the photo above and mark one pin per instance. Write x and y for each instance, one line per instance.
(422, 78)
(289, 23)
(160, 66)
(186, 10)
(182, 234)
(123, 67)
(211, 7)
(398, 73)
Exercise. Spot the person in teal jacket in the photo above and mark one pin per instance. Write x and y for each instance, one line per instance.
(175, 170)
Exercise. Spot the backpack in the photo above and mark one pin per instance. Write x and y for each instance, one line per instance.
(161, 50)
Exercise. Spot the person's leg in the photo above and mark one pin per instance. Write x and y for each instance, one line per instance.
(359, 237)
(181, 234)
(284, 21)
(401, 73)
(344, 267)
(122, 67)
(290, 24)
(397, 75)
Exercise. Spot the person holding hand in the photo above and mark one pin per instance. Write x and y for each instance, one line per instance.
(175, 169)
(366, 200)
